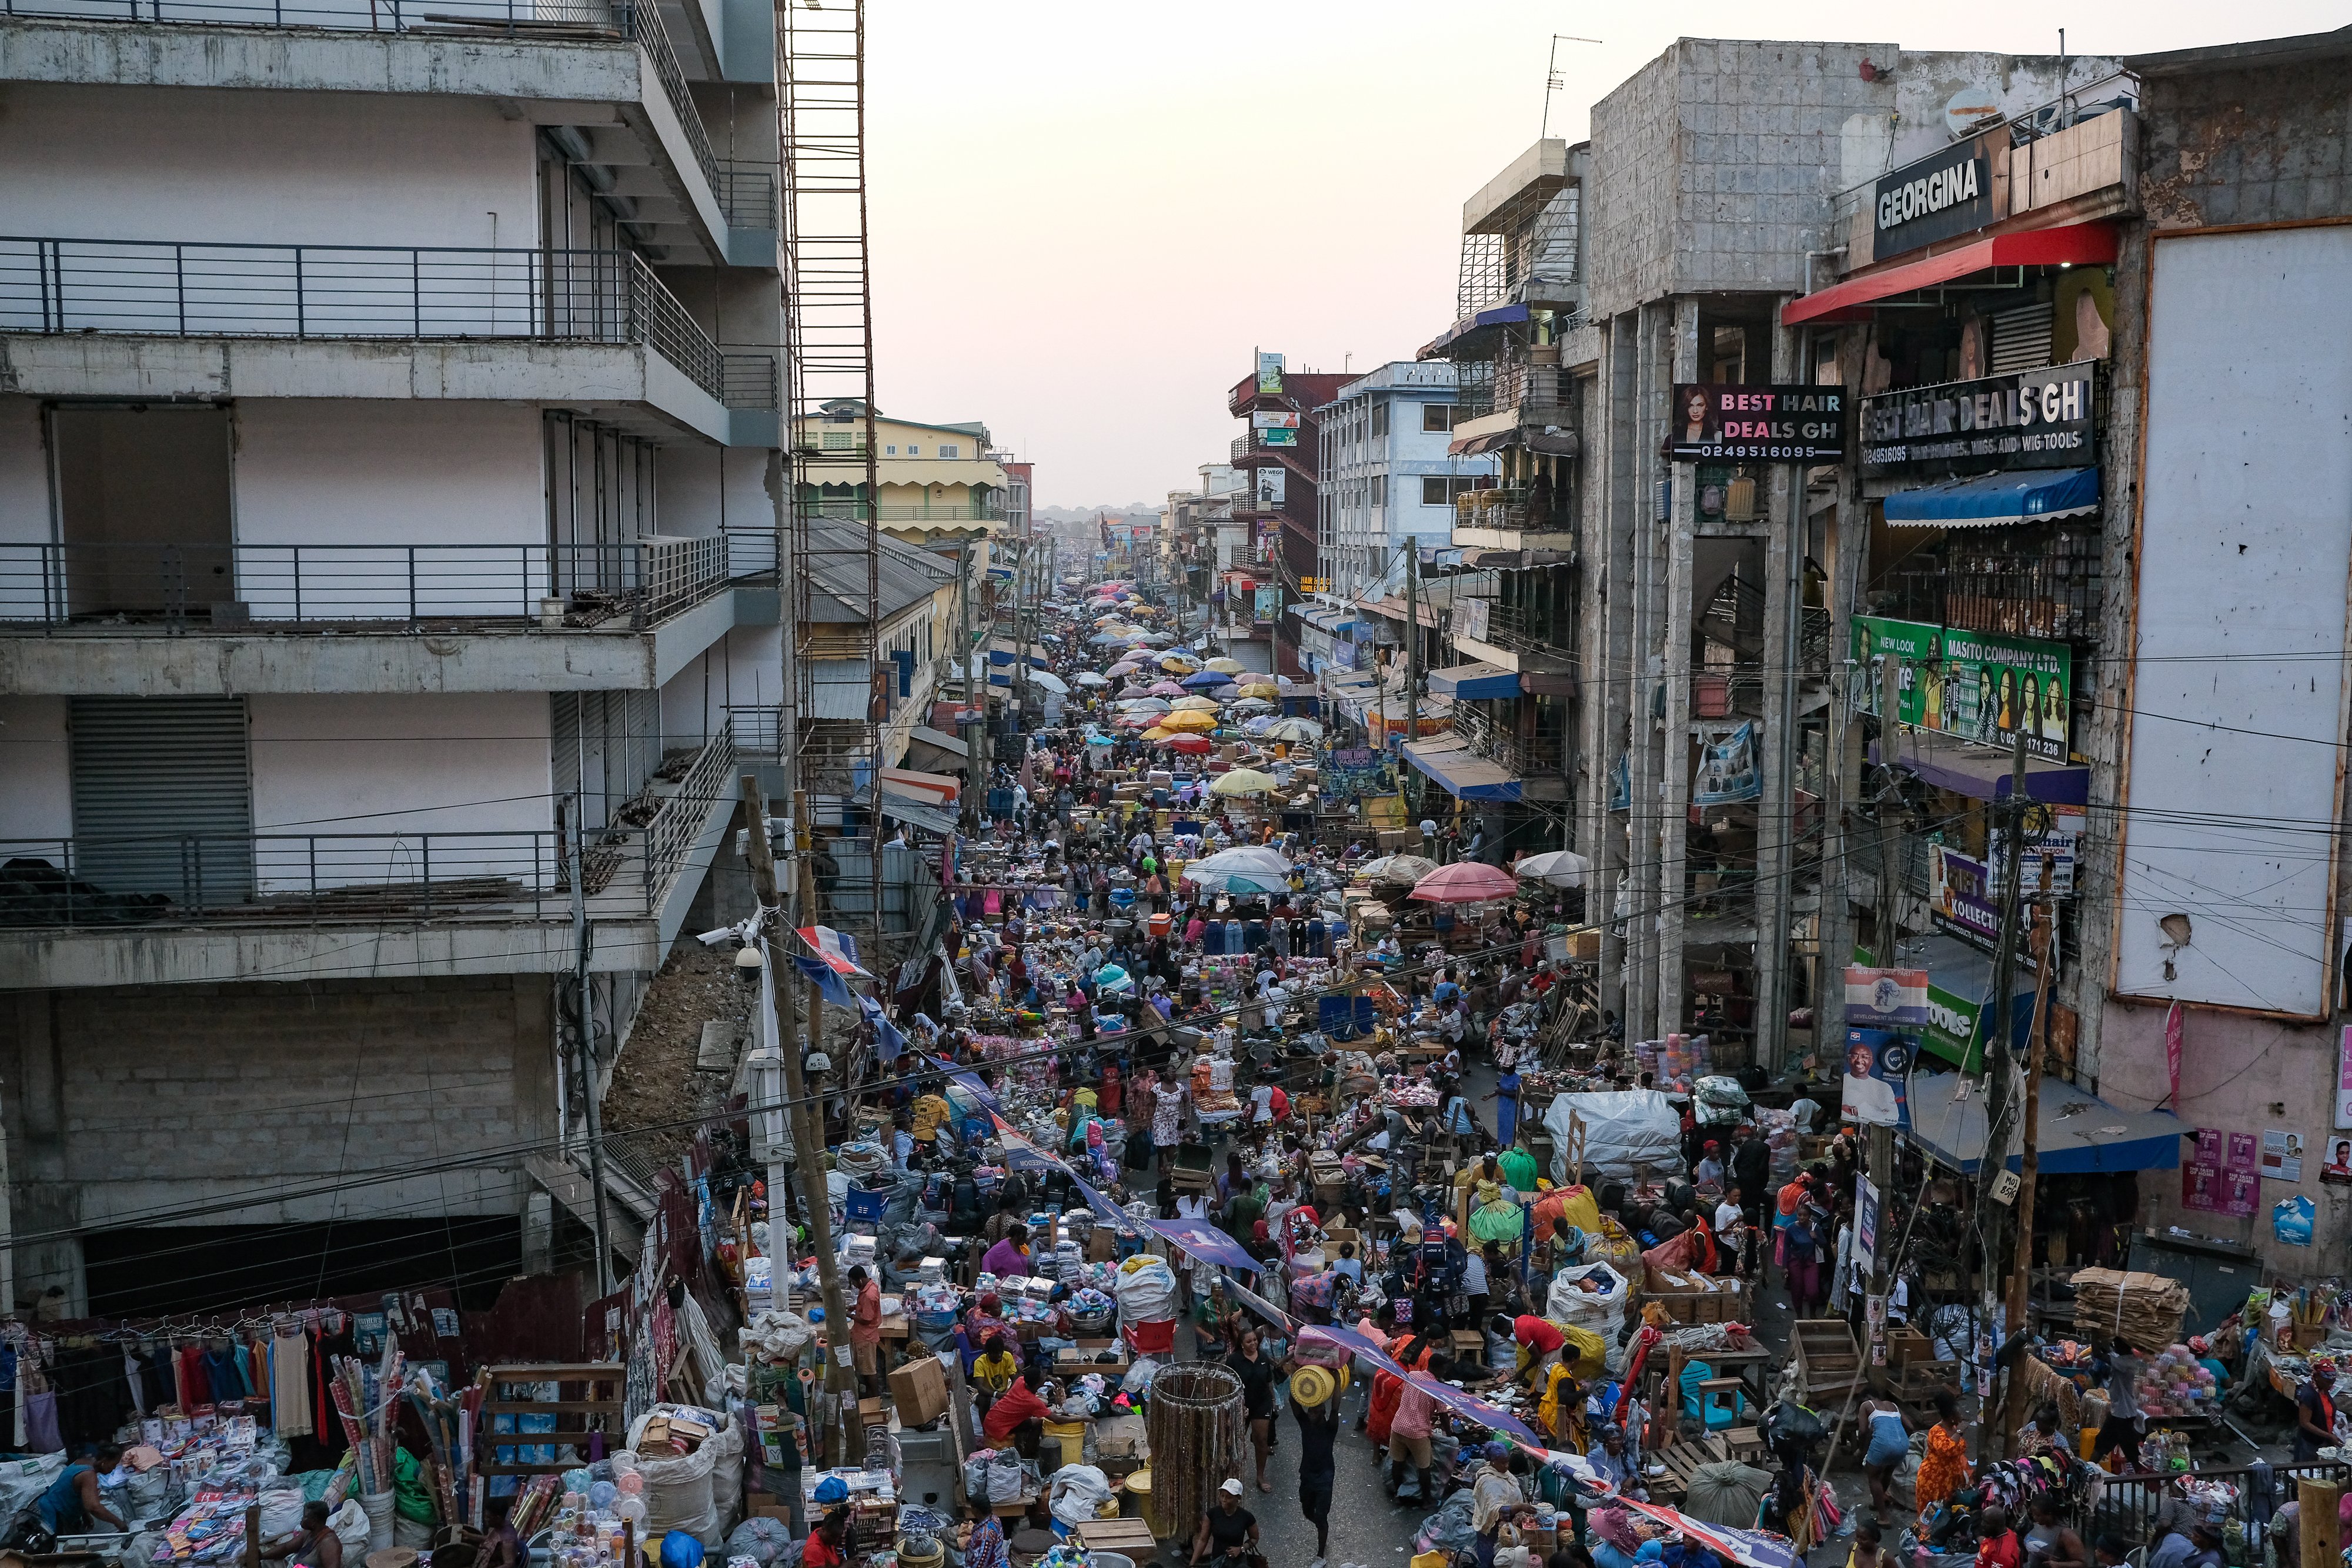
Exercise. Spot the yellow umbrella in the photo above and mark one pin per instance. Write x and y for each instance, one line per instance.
(1195, 704)
(1188, 719)
(1261, 689)
(1242, 781)
(1184, 662)
(1226, 666)
(1156, 733)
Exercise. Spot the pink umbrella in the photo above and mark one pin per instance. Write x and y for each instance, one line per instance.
(1465, 882)
(1124, 667)
(1168, 689)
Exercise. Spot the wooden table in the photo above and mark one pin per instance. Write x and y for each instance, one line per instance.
(1682, 1461)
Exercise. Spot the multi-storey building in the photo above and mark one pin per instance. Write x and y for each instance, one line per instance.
(387, 438)
(1387, 474)
(939, 483)
(1280, 452)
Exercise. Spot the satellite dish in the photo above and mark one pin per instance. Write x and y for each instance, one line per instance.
(1971, 105)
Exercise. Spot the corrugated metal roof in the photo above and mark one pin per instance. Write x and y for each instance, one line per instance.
(904, 575)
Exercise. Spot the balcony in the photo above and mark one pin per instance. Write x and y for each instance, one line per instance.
(633, 585)
(744, 195)
(91, 911)
(132, 620)
(339, 296)
(888, 514)
(1523, 631)
(1515, 517)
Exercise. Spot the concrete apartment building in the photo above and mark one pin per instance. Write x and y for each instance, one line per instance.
(388, 477)
(1386, 474)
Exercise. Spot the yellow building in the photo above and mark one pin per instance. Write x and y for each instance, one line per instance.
(939, 485)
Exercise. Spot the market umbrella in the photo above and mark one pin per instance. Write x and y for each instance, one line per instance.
(1104, 639)
(1229, 693)
(1196, 705)
(1195, 721)
(1049, 680)
(1088, 679)
(1204, 680)
(1402, 870)
(1124, 667)
(1226, 666)
(1250, 705)
(1144, 705)
(1560, 868)
(1295, 730)
(1261, 689)
(1242, 781)
(1252, 868)
(1257, 724)
(1156, 733)
(1465, 882)
(1192, 745)
(1168, 689)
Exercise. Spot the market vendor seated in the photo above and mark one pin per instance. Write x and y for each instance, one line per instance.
(71, 1505)
(983, 1321)
(313, 1546)
(996, 1367)
(1009, 1257)
(1018, 1415)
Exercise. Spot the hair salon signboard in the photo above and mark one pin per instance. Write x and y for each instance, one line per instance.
(2029, 419)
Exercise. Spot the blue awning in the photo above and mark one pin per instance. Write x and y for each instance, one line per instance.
(1476, 681)
(1990, 500)
(2075, 1133)
(1462, 772)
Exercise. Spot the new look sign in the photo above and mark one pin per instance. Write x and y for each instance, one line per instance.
(1944, 193)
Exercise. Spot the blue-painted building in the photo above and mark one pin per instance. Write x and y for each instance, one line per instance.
(1386, 475)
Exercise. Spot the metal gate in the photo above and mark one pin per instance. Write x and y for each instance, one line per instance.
(163, 797)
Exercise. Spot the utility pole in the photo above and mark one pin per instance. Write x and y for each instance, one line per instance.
(1412, 673)
(840, 1379)
(2020, 1278)
(1995, 1016)
(575, 837)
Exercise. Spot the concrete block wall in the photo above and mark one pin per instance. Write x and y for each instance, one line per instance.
(1712, 168)
(2256, 146)
(122, 1105)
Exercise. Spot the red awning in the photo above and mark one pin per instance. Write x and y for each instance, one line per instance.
(2091, 244)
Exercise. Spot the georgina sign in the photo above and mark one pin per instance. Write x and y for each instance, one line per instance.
(1714, 423)
(1930, 193)
(1947, 192)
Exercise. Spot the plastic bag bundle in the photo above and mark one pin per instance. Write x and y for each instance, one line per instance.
(1006, 1481)
(1076, 1493)
(759, 1539)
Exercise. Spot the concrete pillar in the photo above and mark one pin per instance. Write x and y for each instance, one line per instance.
(1784, 555)
(1673, 805)
(538, 1232)
(1609, 592)
(1848, 541)
(1641, 677)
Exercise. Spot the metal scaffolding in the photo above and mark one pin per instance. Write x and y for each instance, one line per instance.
(836, 695)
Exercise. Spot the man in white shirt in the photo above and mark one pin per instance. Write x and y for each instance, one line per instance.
(1728, 1217)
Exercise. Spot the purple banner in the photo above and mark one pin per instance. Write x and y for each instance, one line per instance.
(1203, 1242)
(1454, 1399)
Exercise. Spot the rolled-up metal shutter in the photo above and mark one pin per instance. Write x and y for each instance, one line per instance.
(163, 798)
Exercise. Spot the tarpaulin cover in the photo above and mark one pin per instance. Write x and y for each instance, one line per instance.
(1623, 1130)
(1726, 1492)
(2077, 1134)
(1991, 500)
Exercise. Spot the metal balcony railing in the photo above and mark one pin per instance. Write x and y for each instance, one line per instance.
(1492, 737)
(748, 380)
(637, 582)
(394, 875)
(1524, 631)
(553, 21)
(175, 288)
(747, 195)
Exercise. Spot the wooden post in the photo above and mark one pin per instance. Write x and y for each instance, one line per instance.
(252, 1535)
(2021, 1279)
(2322, 1533)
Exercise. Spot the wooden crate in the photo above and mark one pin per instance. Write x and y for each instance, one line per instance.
(1827, 1360)
(594, 1405)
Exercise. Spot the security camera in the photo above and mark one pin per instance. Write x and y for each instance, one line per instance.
(725, 934)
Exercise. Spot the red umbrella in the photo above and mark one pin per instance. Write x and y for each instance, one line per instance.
(1193, 744)
(1465, 882)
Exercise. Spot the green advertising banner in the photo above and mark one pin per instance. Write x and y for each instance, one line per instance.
(1952, 1032)
(1977, 687)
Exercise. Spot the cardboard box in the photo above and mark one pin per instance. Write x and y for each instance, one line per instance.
(767, 1505)
(1102, 1245)
(919, 1390)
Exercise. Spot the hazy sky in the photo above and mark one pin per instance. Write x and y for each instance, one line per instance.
(1086, 217)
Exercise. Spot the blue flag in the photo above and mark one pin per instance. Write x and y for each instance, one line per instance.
(827, 983)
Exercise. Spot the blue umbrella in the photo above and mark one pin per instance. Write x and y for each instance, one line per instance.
(1205, 680)
(1104, 639)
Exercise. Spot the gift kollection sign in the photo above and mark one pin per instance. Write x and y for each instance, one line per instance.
(1758, 424)
(2030, 419)
(1949, 191)
(1959, 898)
(1972, 685)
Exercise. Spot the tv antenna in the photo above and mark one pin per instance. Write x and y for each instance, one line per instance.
(1552, 83)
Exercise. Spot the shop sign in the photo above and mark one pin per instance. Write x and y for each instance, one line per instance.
(1973, 686)
(2060, 837)
(1269, 374)
(2028, 419)
(1269, 604)
(1717, 423)
(2220, 1176)
(1959, 898)
(1947, 192)
(1950, 1030)
(2344, 1079)
(1278, 437)
(1275, 419)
